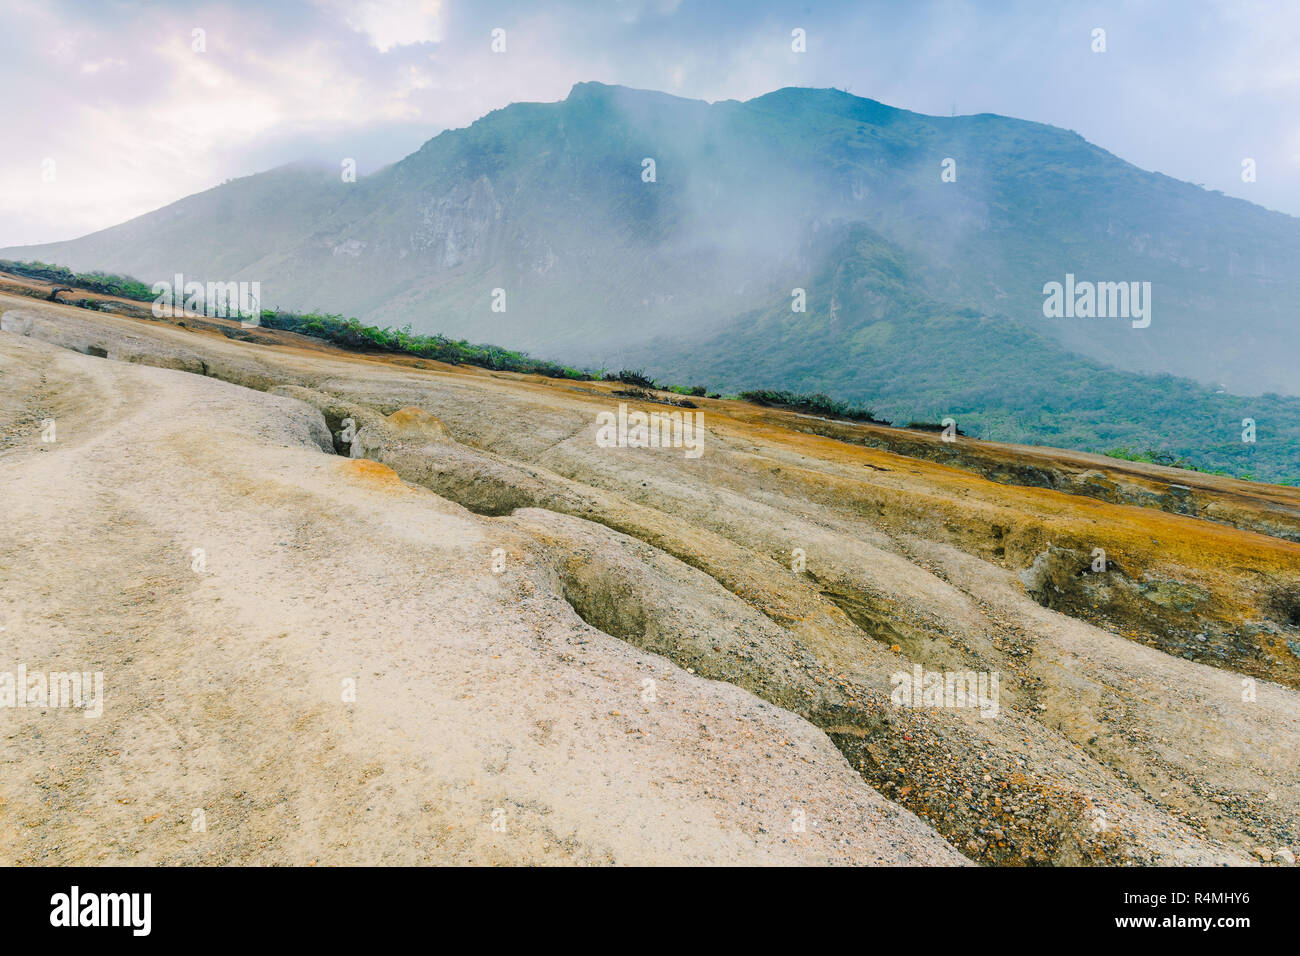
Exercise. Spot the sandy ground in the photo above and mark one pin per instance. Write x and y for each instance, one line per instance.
(476, 693)
(1124, 735)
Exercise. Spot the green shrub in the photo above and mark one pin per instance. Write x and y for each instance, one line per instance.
(351, 334)
(105, 283)
(814, 404)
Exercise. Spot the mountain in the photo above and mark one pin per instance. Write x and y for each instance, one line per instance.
(924, 296)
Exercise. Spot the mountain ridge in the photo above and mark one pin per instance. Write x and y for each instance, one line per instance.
(749, 202)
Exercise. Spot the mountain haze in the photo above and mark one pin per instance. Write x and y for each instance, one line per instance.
(917, 289)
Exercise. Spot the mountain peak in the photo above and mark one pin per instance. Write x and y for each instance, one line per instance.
(801, 99)
(592, 88)
(595, 91)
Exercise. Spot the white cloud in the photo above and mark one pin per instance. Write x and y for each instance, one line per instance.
(104, 64)
(391, 23)
(134, 125)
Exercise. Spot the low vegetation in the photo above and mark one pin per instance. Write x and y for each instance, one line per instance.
(1155, 456)
(350, 333)
(814, 404)
(105, 283)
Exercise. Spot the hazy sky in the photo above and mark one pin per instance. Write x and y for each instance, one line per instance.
(132, 117)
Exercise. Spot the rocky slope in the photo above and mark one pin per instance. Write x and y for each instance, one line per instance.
(501, 588)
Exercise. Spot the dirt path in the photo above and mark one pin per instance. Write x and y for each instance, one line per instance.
(480, 697)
